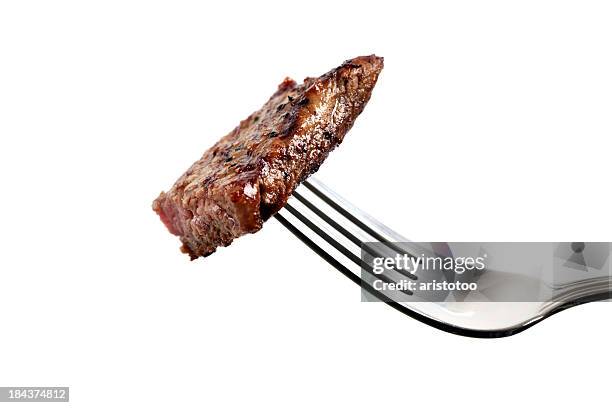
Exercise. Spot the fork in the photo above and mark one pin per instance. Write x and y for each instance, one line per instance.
(348, 239)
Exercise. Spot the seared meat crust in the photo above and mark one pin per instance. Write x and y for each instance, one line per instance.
(249, 174)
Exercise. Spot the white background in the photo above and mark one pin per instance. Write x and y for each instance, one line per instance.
(491, 121)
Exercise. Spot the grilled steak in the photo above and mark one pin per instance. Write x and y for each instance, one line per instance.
(249, 174)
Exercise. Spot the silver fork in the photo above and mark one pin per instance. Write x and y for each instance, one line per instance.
(338, 232)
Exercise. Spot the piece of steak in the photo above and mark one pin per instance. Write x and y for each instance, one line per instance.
(248, 175)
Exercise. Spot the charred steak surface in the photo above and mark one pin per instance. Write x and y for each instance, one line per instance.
(249, 174)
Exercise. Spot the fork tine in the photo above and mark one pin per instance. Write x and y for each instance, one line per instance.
(338, 246)
(327, 219)
(346, 210)
(336, 205)
(358, 218)
(348, 234)
(333, 261)
(314, 215)
(317, 249)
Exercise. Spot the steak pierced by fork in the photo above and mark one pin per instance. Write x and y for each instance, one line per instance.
(249, 174)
